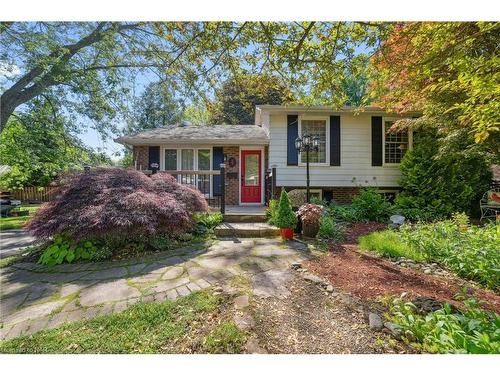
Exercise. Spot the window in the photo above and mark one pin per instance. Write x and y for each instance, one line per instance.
(187, 164)
(314, 128)
(251, 170)
(396, 144)
(204, 165)
(170, 160)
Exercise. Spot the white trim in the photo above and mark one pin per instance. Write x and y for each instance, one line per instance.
(410, 141)
(327, 145)
(262, 183)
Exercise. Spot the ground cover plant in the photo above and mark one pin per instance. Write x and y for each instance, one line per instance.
(447, 330)
(181, 326)
(115, 208)
(470, 251)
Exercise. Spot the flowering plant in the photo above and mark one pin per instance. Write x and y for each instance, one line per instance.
(310, 214)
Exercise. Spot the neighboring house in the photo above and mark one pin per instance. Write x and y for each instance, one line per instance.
(355, 151)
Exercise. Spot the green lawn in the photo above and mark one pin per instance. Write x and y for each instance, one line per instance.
(389, 244)
(190, 324)
(19, 221)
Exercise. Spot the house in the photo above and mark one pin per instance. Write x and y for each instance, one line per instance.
(355, 150)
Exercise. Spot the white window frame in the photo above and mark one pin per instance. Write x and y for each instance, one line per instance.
(410, 141)
(327, 146)
(195, 161)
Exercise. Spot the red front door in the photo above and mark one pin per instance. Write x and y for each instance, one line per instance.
(251, 184)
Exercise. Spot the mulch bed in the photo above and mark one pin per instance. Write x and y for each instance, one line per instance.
(369, 277)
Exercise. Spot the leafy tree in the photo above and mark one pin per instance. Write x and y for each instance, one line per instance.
(197, 114)
(117, 202)
(90, 68)
(155, 108)
(238, 96)
(38, 147)
(449, 70)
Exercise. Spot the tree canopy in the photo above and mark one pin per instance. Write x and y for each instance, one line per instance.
(155, 108)
(449, 71)
(90, 68)
(236, 100)
(38, 147)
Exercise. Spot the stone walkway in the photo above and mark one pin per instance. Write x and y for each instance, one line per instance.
(13, 241)
(34, 297)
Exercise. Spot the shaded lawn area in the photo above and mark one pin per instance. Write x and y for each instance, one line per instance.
(192, 324)
(17, 222)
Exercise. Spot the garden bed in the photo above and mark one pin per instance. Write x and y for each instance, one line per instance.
(371, 277)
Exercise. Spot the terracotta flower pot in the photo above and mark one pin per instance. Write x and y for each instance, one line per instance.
(310, 230)
(286, 233)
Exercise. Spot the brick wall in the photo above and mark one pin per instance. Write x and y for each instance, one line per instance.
(232, 181)
(343, 195)
(141, 154)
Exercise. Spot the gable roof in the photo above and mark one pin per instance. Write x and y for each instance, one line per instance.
(199, 134)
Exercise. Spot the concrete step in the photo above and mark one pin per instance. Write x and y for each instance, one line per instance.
(244, 218)
(246, 230)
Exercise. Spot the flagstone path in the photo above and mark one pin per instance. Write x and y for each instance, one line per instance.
(34, 297)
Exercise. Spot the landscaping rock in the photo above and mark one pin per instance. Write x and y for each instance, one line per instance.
(397, 220)
(296, 265)
(393, 329)
(329, 288)
(426, 305)
(313, 278)
(375, 321)
(241, 302)
(244, 322)
(253, 347)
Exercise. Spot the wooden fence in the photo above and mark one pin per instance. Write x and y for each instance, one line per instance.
(35, 194)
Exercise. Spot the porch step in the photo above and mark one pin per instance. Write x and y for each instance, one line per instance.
(244, 218)
(246, 230)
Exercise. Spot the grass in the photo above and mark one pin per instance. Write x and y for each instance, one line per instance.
(166, 327)
(225, 338)
(18, 222)
(389, 244)
(4, 262)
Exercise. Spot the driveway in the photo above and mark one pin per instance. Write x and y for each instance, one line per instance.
(35, 297)
(13, 241)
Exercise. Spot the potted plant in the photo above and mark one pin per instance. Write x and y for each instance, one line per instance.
(310, 216)
(285, 217)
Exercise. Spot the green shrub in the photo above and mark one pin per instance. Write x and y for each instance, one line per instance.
(473, 331)
(435, 183)
(328, 229)
(346, 213)
(64, 251)
(272, 211)
(209, 220)
(285, 217)
(372, 206)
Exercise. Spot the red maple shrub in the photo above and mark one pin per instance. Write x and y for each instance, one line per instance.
(114, 202)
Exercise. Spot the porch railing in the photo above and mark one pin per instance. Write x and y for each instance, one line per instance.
(210, 183)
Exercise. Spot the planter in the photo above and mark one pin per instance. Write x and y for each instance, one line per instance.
(310, 230)
(286, 233)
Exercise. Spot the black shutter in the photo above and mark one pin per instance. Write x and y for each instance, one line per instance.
(292, 132)
(377, 139)
(335, 140)
(217, 159)
(154, 156)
